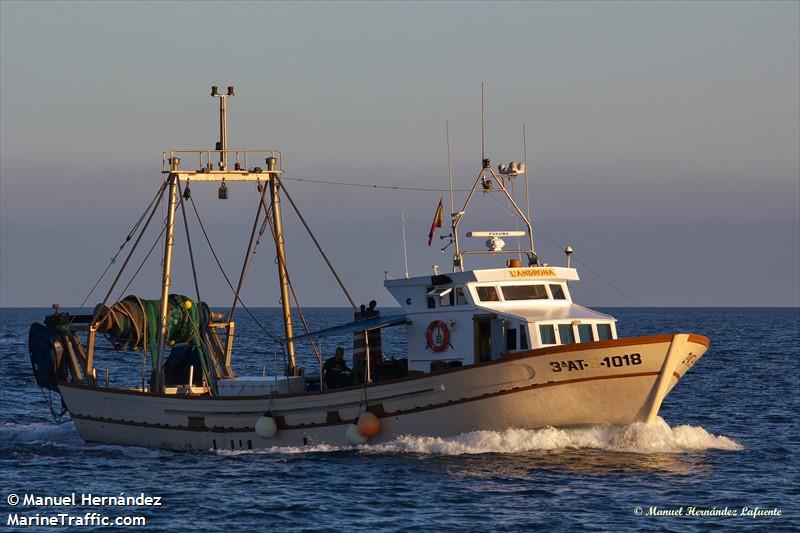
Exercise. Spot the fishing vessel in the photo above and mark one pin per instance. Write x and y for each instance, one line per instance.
(487, 349)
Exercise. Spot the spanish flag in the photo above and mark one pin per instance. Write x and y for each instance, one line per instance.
(437, 220)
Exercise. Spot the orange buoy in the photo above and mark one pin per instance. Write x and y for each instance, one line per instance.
(368, 424)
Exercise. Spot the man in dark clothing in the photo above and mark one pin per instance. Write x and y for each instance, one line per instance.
(335, 370)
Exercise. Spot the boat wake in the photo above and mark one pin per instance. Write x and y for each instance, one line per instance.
(11, 433)
(639, 437)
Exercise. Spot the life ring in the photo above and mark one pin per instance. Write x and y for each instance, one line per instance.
(437, 336)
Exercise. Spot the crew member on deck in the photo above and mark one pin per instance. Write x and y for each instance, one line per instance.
(335, 370)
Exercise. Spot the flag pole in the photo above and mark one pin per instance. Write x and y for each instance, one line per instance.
(405, 251)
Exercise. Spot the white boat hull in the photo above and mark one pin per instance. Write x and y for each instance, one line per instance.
(577, 384)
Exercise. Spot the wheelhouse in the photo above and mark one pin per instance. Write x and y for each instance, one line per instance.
(475, 316)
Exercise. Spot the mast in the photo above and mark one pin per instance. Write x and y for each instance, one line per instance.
(489, 182)
(158, 382)
(222, 145)
(283, 277)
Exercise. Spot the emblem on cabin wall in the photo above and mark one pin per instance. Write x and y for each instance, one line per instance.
(437, 336)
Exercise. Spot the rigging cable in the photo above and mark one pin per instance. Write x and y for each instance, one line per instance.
(247, 255)
(227, 279)
(146, 257)
(303, 320)
(368, 186)
(122, 246)
(423, 189)
(590, 269)
(319, 247)
(593, 271)
(189, 238)
(135, 245)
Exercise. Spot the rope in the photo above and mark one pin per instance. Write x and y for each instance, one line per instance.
(144, 261)
(593, 271)
(227, 279)
(189, 238)
(303, 320)
(132, 322)
(247, 255)
(150, 251)
(368, 186)
(316, 243)
(58, 418)
(122, 246)
(135, 245)
(590, 269)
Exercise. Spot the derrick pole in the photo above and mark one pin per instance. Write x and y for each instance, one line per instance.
(158, 381)
(283, 276)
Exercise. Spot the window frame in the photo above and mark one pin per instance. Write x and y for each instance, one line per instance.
(571, 327)
(552, 295)
(461, 296)
(446, 295)
(611, 331)
(515, 285)
(497, 292)
(523, 337)
(553, 328)
(591, 332)
(511, 339)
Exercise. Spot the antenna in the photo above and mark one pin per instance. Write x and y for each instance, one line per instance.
(535, 257)
(449, 167)
(405, 252)
(525, 155)
(483, 133)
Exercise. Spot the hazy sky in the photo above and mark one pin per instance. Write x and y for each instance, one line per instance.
(663, 138)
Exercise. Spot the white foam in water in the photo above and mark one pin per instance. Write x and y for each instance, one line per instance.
(39, 432)
(317, 448)
(639, 437)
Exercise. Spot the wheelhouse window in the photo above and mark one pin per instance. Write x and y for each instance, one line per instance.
(524, 292)
(488, 293)
(430, 297)
(557, 290)
(566, 334)
(585, 333)
(461, 298)
(511, 339)
(523, 337)
(604, 332)
(446, 297)
(548, 333)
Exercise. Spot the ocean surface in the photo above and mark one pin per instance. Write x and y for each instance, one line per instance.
(728, 438)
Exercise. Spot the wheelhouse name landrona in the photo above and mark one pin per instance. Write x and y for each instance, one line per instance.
(75, 499)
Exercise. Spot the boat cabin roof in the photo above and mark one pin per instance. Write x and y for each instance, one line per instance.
(432, 294)
(545, 273)
(566, 311)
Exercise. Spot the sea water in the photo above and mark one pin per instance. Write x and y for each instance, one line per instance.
(723, 453)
